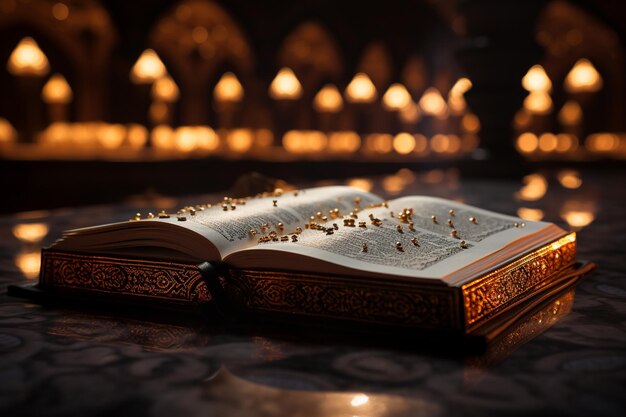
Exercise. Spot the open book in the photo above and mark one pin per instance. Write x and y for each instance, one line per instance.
(323, 252)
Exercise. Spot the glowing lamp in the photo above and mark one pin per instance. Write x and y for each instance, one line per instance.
(28, 59)
(536, 79)
(410, 113)
(7, 131)
(30, 232)
(460, 87)
(538, 102)
(361, 89)
(57, 90)
(328, 100)
(229, 89)
(165, 89)
(404, 143)
(148, 68)
(570, 114)
(583, 78)
(285, 86)
(432, 103)
(396, 97)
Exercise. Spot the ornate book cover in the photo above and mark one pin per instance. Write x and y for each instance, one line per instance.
(301, 295)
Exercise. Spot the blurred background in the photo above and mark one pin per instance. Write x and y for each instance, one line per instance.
(106, 101)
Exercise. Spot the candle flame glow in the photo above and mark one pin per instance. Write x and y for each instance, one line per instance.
(583, 78)
(460, 87)
(165, 89)
(432, 103)
(536, 79)
(29, 263)
(571, 113)
(361, 89)
(228, 89)
(285, 86)
(396, 97)
(28, 59)
(57, 90)
(30, 232)
(148, 68)
(328, 100)
(538, 102)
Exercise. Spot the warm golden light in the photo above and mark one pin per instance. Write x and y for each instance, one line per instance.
(347, 142)
(571, 114)
(137, 136)
(522, 119)
(56, 132)
(440, 143)
(29, 263)
(165, 89)
(404, 143)
(264, 138)
(421, 144)
(111, 136)
(566, 142)
(530, 213)
(30, 232)
(457, 104)
(60, 11)
(162, 137)
(148, 68)
(393, 184)
(240, 140)
(548, 142)
(360, 183)
(570, 179)
(460, 87)
(7, 131)
(410, 113)
(583, 78)
(361, 89)
(470, 123)
(535, 187)
(538, 102)
(433, 104)
(379, 142)
(527, 142)
(328, 100)
(578, 219)
(536, 79)
(28, 59)
(396, 97)
(228, 89)
(359, 400)
(206, 138)
(186, 139)
(285, 86)
(602, 142)
(200, 34)
(304, 141)
(57, 90)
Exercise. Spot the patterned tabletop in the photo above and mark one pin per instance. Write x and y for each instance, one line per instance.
(568, 357)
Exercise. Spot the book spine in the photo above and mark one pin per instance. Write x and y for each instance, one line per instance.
(171, 282)
(503, 288)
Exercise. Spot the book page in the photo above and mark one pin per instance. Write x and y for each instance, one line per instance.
(230, 230)
(419, 247)
(213, 232)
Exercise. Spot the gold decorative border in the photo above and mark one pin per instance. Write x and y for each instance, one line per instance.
(489, 295)
(383, 302)
(170, 281)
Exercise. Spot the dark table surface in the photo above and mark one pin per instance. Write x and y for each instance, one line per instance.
(566, 358)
